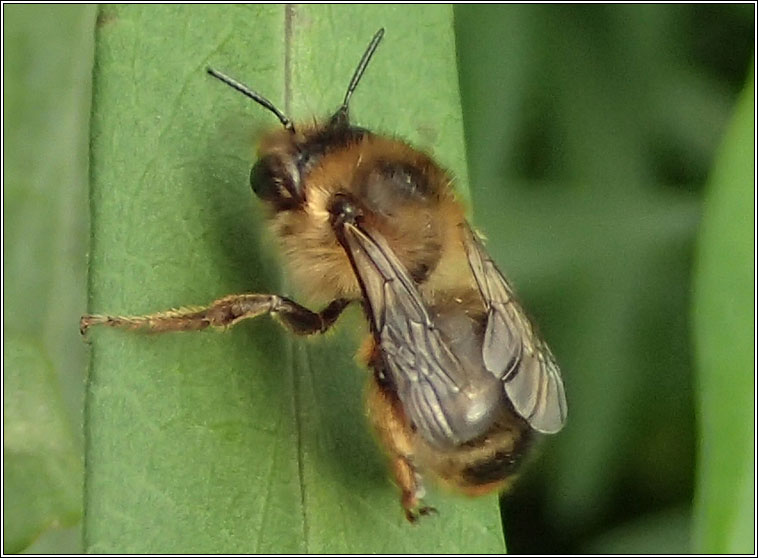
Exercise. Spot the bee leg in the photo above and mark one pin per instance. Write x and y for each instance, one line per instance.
(226, 312)
(412, 489)
(395, 434)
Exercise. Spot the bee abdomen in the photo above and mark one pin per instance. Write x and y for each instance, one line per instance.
(496, 467)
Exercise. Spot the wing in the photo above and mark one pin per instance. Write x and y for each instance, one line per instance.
(448, 402)
(512, 351)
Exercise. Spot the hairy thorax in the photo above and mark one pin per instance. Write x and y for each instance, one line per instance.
(401, 193)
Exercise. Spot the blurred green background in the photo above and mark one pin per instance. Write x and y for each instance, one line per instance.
(591, 133)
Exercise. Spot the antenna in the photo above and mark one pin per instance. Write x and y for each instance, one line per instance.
(257, 97)
(341, 116)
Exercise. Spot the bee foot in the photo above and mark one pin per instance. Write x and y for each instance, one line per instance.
(428, 510)
(412, 514)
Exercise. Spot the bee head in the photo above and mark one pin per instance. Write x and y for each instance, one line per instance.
(277, 177)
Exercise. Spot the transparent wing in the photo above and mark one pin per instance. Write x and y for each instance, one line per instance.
(512, 350)
(448, 403)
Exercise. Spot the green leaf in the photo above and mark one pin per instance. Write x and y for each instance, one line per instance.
(42, 467)
(725, 343)
(47, 56)
(58, 541)
(246, 441)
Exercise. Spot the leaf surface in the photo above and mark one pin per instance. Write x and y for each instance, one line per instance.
(724, 330)
(244, 441)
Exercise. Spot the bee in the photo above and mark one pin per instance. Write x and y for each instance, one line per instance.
(461, 381)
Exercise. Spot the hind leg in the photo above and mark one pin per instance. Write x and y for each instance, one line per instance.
(389, 421)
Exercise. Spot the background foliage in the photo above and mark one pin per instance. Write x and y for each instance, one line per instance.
(590, 135)
(589, 150)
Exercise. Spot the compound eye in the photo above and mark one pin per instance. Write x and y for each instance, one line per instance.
(277, 180)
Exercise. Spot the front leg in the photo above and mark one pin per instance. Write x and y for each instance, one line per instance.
(225, 312)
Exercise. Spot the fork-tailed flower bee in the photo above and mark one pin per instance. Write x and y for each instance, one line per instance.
(461, 380)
